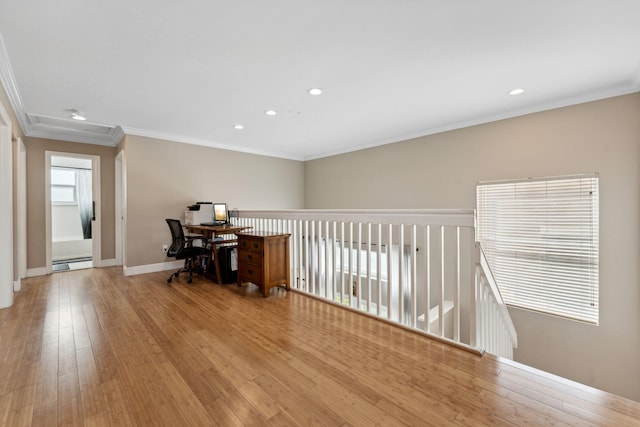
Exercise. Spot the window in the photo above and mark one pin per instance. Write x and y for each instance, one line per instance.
(540, 237)
(63, 186)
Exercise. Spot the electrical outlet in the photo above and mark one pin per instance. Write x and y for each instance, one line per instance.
(165, 249)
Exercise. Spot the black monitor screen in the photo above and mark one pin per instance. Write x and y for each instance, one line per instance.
(220, 213)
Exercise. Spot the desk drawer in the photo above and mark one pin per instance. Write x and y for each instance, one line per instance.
(250, 257)
(250, 273)
(251, 244)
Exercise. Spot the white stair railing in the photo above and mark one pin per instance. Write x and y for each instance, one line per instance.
(414, 268)
(495, 332)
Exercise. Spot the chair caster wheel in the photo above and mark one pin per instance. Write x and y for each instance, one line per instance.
(190, 280)
(170, 279)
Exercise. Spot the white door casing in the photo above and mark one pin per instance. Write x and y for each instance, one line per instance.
(6, 211)
(21, 212)
(120, 208)
(96, 227)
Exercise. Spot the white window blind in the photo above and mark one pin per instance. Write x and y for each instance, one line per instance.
(540, 237)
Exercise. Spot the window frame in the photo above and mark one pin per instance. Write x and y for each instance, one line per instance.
(54, 202)
(541, 239)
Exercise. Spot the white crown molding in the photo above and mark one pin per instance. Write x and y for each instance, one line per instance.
(114, 135)
(32, 128)
(75, 136)
(10, 86)
(632, 87)
(69, 130)
(206, 143)
(108, 135)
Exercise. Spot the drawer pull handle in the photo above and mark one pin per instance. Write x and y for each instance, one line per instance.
(250, 271)
(250, 257)
(255, 245)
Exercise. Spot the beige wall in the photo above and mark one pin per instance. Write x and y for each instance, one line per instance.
(440, 171)
(164, 177)
(36, 213)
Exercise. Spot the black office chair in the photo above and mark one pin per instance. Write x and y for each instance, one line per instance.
(182, 248)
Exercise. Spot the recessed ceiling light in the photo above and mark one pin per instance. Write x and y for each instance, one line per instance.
(270, 112)
(315, 91)
(517, 91)
(238, 127)
(77, 115)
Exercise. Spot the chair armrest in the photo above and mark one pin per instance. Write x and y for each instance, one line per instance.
(189, 238)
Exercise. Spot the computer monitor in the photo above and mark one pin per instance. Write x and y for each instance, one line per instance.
(220, 213)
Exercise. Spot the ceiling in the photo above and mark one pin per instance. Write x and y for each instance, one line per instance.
(389, 69)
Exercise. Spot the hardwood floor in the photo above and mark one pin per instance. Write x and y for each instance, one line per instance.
(92, 347)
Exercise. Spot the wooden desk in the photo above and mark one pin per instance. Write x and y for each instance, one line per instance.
(210, 232)
(263, 259)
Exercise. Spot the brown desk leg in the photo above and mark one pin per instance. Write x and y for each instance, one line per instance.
(216, 262)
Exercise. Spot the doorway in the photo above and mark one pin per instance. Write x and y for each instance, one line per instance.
(73, 227)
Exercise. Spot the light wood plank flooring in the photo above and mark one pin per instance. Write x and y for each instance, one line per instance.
(92, 347)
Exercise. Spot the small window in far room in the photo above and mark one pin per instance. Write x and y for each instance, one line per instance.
(63, 186)
(540, 237)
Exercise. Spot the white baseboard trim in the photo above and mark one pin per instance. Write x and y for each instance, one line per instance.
(17, 285)
(151, 268)
(33, 272)
(42, 271)
(108, 262)
(127, 271)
